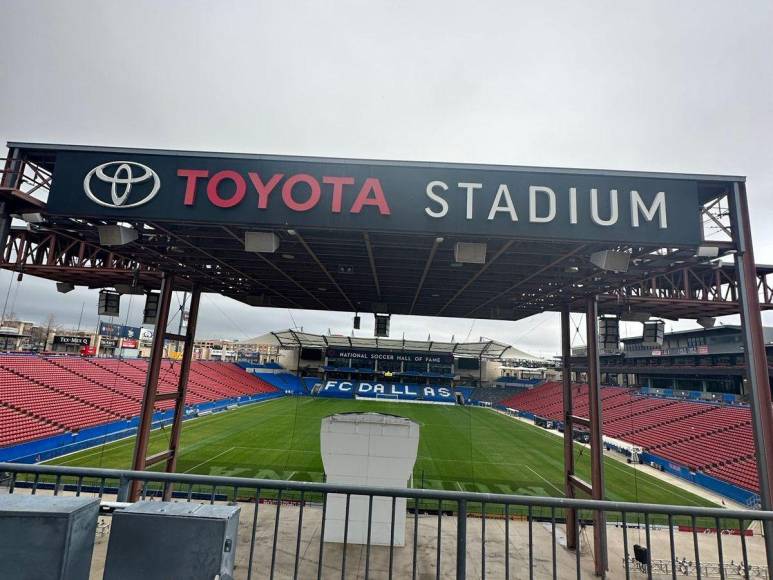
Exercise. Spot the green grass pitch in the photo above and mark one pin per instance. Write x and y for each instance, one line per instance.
(460, 448)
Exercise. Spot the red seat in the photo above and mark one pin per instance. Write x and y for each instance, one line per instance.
(41, 396)
(702, 436)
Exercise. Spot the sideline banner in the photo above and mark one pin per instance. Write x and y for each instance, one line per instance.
(380, 390)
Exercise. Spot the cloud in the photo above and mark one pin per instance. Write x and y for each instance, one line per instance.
(653, 86)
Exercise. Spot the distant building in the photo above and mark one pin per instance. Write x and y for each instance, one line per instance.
(339, 357)
(17, 335)
(233, 350)
(710, 360)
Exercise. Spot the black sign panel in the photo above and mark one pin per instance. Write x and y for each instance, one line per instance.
(79, 340)
(407, 356)
(118, 330)
(380, 196)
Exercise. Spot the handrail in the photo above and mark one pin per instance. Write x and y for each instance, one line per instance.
(427, 494)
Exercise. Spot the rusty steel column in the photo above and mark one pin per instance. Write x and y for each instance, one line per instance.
(596, 438)
(5, 228)
(566, 377)
(754, 351)
(151, 383)
(11, 178)
(182, 387)
(12, 170)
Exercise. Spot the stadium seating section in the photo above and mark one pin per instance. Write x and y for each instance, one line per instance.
(285, 382)
(42, 396)
(496, 394)
(707, 437)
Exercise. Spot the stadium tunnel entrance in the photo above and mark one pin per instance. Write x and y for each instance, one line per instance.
(428, 239)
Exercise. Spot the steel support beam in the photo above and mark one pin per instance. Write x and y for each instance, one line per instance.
(182, 386)
(427, 265)
(13, 170)
(11, 178)
(596, 440)
(756, 360)
(5, 226)
(372, 261)
(325, 271)
(566, 376)
(151, 384)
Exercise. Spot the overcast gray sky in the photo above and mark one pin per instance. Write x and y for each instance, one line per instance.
(659, 85)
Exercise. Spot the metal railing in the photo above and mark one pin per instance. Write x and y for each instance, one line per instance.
(20, 174)
(448, 534)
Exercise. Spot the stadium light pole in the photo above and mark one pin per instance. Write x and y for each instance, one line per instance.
(754, 349)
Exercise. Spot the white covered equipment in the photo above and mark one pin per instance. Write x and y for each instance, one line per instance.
(367, 449)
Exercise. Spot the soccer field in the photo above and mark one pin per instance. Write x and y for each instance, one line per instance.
(460, 448)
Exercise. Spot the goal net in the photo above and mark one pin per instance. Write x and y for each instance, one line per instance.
(387, 396)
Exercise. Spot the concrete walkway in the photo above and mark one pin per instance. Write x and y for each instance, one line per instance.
(542, 557)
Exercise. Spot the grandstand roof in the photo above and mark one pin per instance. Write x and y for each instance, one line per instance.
(334, 254)
(517, 354)
(294, 338)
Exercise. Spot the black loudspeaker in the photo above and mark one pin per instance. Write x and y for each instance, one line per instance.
(109, 303)
(65, 287)
(150, 313)
(653, 333)
(382, 325)
(357, 322)
(609, 332)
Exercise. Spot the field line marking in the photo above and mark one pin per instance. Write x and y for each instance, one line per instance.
(274, 449)
(96, 450)
(679, 492)
(130, 439)
(654, 481)
(208, 460)
(542, 478)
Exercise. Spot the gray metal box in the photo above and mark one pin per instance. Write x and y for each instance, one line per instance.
(46, 537)
(172, 541)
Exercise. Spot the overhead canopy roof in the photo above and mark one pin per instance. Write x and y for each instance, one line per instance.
(513, 353)
(294, 338)
(375, 238)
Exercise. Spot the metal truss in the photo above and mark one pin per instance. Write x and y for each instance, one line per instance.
(65, 258)
(56, 255)
(714, 287)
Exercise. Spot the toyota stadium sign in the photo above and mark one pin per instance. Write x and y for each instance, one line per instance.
(437, 198)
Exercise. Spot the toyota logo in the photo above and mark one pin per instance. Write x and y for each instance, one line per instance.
(123, 177)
